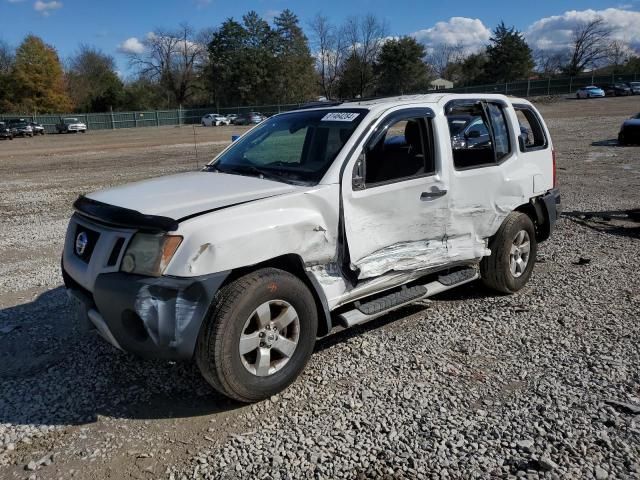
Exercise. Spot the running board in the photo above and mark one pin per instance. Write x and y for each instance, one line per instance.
(368, 310)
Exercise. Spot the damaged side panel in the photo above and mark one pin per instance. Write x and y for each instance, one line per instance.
(305, 223)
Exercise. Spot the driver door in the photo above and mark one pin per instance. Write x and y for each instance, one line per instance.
(395, 198)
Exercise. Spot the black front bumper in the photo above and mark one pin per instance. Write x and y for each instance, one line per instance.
(151, 317)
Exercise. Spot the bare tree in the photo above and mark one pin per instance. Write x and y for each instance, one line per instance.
(6, 57)
(329, 44)
(590, 45)
(442, 55)
(172, 58)
(619, 53)
(365, 36)
(549, 62)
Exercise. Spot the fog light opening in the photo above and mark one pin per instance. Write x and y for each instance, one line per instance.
(134, 326)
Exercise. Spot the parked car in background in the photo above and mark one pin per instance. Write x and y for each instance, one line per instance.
(214, 120)
(590, 91)
(251, 118)
(634, 87)
(616, 90)
(316, 218)
(5, 131)
(20, 127)
(232, 117)
(630, 131)
(70, 125)
(37, 128)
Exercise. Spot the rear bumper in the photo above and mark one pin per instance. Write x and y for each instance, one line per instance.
(150, 317)
(553, 206)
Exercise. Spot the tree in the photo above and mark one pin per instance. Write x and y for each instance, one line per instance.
(93, 82)
(329, 44)
(37, 78)
(549, 62)
(470, 70)
(590, 46)
(619, 53)
(442, 56)
(400, 67)
(173, 58)
(6, 64)
(508, 55)
(295, 76)
(365, 35)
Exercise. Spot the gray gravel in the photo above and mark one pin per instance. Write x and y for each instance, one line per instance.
(542, 384)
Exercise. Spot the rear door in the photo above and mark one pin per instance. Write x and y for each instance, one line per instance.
(395, 197)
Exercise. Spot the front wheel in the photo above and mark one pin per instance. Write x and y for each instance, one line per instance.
(513, 254)
(259, 336)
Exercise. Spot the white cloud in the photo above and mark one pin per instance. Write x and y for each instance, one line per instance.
(15, 1)
(45, 8)
(131, 45)
(554, 33)
(471, 33)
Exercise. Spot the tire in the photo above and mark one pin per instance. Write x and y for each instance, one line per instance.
(234, 315)
(497, 269)
(621, 140)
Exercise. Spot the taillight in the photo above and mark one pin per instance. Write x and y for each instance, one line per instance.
(555, 175)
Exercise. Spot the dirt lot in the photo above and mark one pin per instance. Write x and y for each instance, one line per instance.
(458, 386)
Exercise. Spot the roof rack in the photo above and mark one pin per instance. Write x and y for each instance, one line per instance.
(328, 103)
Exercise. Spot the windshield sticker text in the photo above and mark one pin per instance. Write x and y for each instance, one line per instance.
(340, 117)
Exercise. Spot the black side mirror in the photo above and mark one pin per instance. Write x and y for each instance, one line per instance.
(359, 172)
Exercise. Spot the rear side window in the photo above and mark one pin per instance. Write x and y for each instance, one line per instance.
(479, 133)
(531, 131)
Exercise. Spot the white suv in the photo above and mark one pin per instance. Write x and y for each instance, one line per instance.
(325, 216)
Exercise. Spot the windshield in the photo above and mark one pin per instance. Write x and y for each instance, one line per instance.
(296, 147)
(70, 120)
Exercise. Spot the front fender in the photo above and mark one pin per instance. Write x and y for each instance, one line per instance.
(302, 223)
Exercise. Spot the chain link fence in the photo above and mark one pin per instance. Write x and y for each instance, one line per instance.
(190, 116)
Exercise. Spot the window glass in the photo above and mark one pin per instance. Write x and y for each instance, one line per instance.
(293, 147)
(470, 136)
(402, 152)
(500, 131)
(530, 129)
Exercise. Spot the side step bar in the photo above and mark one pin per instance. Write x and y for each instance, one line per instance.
(368, 310)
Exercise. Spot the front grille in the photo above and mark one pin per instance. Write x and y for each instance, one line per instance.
(91, 240)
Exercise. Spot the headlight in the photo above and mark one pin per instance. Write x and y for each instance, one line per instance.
(149, 254)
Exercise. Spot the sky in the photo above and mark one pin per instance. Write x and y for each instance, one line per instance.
(118, 26)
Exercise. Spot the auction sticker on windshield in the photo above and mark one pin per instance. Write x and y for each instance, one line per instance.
(340, 117)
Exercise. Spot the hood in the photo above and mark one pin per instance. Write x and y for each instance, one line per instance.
(635, 122)
(187, 194)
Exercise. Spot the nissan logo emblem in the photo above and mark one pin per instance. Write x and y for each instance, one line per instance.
(81, 243)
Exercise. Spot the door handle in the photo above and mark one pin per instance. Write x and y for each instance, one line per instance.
(432, 195)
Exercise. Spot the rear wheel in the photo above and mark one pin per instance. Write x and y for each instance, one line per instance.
(259, 336)
(513, 255)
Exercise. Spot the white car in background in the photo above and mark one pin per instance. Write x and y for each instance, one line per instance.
(214, 120)
(590, 91)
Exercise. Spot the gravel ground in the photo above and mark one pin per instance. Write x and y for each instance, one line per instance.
(541, 384)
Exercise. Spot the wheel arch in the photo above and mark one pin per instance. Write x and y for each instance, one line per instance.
(538, 214)
(293, 264)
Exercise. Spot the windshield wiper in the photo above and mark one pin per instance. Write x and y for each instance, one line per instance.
(250, 170)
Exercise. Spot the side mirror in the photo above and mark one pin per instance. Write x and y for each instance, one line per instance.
(473, 134)
(359, 172)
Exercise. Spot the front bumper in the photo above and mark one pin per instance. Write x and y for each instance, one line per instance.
(150, 317)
